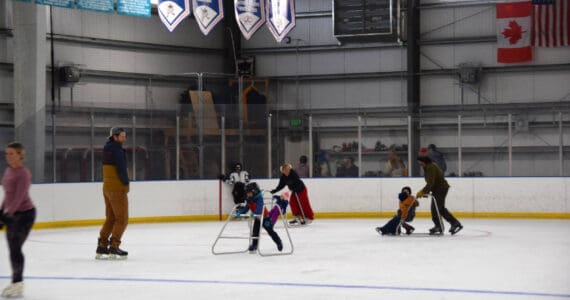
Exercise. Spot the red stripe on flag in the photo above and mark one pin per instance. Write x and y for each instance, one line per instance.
(561, 29)
(513, 55)
(554, 39)
(532, 30)
(539, 20)
(567, 23)
(547, 26)
(513, 9)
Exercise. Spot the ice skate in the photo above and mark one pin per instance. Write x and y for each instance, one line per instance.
(294, 221)
(102, 252)
(279, 245)
(409, 228)
(14, 290)
(455, 228)
(435, 231)
(380, 230)
(252, 249)
(117, 253)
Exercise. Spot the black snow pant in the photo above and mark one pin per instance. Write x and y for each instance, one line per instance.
(18, 228)
(440, 200)
(268, 227)
(239, 192)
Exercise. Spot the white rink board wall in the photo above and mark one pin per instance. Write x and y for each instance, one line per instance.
(84, 201)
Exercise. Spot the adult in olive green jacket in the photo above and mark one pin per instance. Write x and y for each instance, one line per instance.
(438, 186)
(115, 189)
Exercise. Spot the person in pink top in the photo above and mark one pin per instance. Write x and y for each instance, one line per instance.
(18, 213)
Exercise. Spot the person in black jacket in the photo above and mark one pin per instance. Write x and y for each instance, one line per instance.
(300, 205)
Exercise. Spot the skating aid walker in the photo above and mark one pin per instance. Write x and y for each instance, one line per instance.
(268, 202)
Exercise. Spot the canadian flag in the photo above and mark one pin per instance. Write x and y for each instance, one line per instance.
(514, 32)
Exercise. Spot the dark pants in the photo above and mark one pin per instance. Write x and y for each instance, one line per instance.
(392, 225)
(440, 199)
(268, 226)
(239, 192)
(18, 228)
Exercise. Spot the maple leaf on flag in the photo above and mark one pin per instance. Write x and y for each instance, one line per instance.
(513, 32)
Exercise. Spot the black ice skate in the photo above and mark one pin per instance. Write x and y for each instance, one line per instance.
(279, 245)
(380, 230)
(455, 228)
(435, 231)
(117, 253)
(293, 222)
(252, 249)
(409, 228)
(101, 252)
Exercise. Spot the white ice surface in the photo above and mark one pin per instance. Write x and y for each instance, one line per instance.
(332, 259)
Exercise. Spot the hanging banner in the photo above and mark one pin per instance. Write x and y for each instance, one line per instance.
(250, 15)
(137, 8)
(208, 14)
(280, 17)
(96, 5)
(60, 3)
(172, 12)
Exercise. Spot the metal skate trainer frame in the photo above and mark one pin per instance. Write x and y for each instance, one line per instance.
(267, 201)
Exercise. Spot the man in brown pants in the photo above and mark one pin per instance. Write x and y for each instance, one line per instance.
(115, 189)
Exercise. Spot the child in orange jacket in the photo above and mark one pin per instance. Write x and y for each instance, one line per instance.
(406, 213)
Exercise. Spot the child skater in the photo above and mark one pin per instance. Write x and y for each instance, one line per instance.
(254, 201)
(406, 213)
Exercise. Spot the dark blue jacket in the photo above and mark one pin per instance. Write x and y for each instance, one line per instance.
(114, 154)
(254, 203)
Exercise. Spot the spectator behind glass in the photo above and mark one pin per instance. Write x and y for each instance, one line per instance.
(347, 168)
(437, 157)
(302, 168)
(394, 166)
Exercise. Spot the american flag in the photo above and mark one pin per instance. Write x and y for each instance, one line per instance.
(550, 23)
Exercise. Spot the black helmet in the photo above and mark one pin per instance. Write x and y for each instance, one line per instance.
(237, 166)
(252, 187)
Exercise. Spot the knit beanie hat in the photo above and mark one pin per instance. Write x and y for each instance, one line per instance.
(423, 155)
(402, 196)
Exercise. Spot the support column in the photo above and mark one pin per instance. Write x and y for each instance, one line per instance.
(30, 60)
(413, 81)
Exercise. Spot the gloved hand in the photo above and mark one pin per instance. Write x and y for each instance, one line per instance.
(266, 223)
(222, 177)
(238, 215)
(252, 215)
(420, 194)
(273, 191)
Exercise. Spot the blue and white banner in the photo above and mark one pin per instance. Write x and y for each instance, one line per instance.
(280, 17)
(60, 3)
(208, 13)
(250, 16)
(137, 8)
(172, 12)
(106, 6)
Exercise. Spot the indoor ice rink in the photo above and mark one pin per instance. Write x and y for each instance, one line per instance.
(332, 259)
(180, 105)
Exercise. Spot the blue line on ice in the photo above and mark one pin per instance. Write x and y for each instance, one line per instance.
(294, 284)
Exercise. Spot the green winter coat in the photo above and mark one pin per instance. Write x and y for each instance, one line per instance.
(435, 180)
